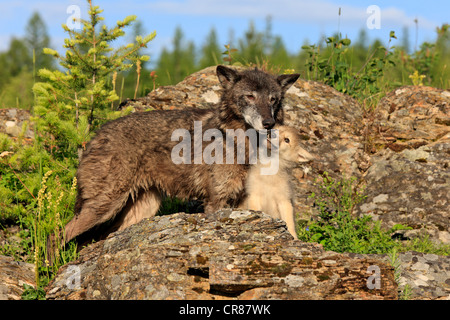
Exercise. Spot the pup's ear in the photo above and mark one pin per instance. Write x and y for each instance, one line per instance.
(287, 80)
(227, 76)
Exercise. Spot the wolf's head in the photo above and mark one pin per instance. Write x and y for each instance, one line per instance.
(255, 95)
(290, 146)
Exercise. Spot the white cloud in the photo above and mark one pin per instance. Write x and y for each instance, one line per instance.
(304, 11)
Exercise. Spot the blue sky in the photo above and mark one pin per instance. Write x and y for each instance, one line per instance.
(294, 20)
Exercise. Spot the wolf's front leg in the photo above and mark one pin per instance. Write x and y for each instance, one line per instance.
(286, 211)
(226, 186)
(213, 206)
(254, 203)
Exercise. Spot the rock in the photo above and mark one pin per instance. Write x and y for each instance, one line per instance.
(225, 255)
(427, 275)
(13, 275)
(412, 131)
(413, 116)
(411, 187)
(13, 120)
(328, 123)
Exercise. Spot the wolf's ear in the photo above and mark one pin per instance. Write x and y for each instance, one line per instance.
(287, 80)
(227, 76)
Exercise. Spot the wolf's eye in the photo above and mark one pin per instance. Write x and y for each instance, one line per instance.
(272, 99)
(250, 97)
(287, 140)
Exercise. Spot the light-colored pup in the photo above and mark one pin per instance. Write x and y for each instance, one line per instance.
(273, 193)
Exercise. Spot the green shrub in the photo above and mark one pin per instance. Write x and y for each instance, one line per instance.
(334, 67)
(37, 185)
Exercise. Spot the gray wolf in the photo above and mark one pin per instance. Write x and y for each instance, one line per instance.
(273, 193)
(127, 167)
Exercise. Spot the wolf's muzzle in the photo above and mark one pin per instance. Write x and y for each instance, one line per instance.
(268, 123)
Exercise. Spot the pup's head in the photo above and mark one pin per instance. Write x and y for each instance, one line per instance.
(255, 95)
(290, 148)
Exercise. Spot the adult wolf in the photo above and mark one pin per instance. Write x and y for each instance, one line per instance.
(127, 166)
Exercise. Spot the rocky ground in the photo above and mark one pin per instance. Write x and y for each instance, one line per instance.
(400, 153)
(226, 255)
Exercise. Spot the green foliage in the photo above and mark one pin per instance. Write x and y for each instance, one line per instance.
(31, 293)
(171, 205)
(228, 54)
(366, 71)
(334, 68)
(210, 51)
(38, 185)
(336, 228)
(53, 211)
(37, 39)
(174, 66)
(73, 103)
(16, 93)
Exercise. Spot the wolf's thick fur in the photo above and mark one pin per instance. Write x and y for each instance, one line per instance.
(273, 194)
(127, 166)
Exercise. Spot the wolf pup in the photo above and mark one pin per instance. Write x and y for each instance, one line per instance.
(272, 193)
(127, 166)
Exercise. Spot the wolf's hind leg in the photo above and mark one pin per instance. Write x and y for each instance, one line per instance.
(145, 205)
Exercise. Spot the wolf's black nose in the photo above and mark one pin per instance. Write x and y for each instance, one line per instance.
(268, 123)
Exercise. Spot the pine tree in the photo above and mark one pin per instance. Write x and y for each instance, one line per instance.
(18, 57)
(37, 39)
(279, 57)
(251, 48)
(211, 52)
(174, 66)
(73, 102)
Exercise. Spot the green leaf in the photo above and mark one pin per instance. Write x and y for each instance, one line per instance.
(399, 226)
(51, 52)
(316, 237)
(150, 37)
(345, 42)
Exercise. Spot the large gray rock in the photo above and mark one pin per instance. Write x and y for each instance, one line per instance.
(426, 275)
(409, 180)
(225, 255)
(412, 188)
